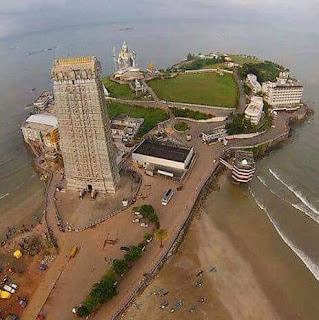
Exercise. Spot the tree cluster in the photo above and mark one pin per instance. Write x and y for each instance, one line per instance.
(265, 71)
(101, 292)
(201, 63)
(105, 290)
(240, 124)
(149, 213)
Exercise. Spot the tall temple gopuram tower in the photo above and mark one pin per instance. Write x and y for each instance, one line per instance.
(85, 135)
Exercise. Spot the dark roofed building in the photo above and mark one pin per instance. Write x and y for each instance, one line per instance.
(165, 156)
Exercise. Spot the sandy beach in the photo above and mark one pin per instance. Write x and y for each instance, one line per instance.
(258, 276)
(23, 206)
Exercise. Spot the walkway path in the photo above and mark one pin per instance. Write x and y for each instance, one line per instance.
(242, 95)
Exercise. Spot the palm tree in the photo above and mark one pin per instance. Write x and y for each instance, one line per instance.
(161, 235)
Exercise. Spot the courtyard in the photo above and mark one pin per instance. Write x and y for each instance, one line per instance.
(78, 213)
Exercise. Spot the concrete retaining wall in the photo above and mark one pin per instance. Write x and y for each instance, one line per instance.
(214, 119)
(208, 70)
(244, 135)
(183, 104)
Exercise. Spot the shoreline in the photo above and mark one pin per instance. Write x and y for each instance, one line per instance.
(177, 239)
(253, 265)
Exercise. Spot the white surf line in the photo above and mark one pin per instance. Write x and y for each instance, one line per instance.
(4, 195)
(298, 194)
(308, 262)
(299, 206)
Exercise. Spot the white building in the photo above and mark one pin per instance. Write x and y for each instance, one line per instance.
(37, 125)
(254, 110)
(244, 166)
(41, 131)
(253, 83)
(163, 158)
(43, 101)
(125, 129)
(285, 92)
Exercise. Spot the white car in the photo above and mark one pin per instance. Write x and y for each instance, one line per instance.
(8, 289)
(14, 286)
(136, 220)
(149, 240)
(144, 225)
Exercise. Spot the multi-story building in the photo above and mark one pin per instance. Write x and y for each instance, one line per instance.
(254, 110)
(88, 152)
(244, 166)
(285, 92)
(125, 129)
(41, 132)
(43, 101)
(253, 83)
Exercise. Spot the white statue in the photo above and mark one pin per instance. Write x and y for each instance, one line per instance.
(126, 60)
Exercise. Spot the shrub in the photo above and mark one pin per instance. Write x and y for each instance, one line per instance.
(181, 126)
(148, 236)
(120, 266)
(148, 212)
(104, 290)
(83, 311)
(188, 113)
(134, 254)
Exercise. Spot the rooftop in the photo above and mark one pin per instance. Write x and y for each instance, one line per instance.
(244, 160)
(255, 107)
(75, 60)
(158, 150)
(43, 118)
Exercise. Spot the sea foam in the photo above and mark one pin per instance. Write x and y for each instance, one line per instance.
(309, 263)
(299, 206)
(297, 193)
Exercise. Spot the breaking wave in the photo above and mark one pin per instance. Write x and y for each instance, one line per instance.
(303, 208)
(309, 263)
(297, 193)
(299, 206)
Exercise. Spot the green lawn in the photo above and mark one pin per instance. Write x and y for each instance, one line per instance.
(116, 90)
(151, 116)
(205, 88)
(244, 59)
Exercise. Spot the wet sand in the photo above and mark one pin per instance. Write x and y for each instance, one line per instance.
(20, 207)
(258, 276)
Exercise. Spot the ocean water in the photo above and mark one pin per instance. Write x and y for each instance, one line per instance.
(287, 185)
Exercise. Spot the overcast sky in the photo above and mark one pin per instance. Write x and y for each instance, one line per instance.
(24, 16)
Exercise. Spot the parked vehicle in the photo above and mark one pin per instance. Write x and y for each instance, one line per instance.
(73, 251)
(167, 197)
(144, 225)
(14, 286)
(42, 267)
(8, 289)
(23, 302)
(5, 294)
(163, 305)
(125, 249)
(136, 220)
